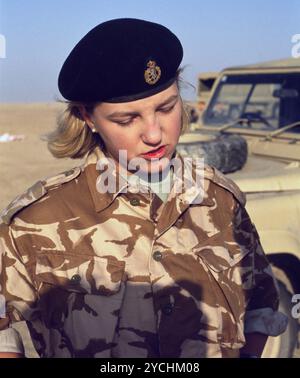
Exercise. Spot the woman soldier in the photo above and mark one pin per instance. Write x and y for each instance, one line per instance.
(103, 260)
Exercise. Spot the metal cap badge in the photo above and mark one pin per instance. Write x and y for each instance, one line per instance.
(152, 73)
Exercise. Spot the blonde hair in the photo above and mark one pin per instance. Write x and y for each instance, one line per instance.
(73, 138)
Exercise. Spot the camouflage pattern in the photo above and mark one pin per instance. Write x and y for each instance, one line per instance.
(126, 275)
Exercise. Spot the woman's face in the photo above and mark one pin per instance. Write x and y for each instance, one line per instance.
(140, 126)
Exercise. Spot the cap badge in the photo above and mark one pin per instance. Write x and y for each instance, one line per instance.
(152, 73)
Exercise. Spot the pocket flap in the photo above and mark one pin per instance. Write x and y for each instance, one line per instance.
(81, 273)
(222, 251)
(219, 258)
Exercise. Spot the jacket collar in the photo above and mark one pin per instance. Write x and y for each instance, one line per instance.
(189, 184)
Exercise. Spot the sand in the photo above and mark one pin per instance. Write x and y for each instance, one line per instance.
(24, 162)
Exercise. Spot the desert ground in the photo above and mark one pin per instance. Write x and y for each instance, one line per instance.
(26, 161)
(23, 162)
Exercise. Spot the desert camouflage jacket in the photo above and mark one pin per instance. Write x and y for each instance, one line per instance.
(125, 275)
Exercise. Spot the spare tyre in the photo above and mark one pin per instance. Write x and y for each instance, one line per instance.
(226, 152)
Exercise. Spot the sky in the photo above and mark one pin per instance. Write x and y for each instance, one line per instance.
(36, 36)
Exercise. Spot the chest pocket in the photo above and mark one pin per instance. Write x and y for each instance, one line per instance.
(230, 264)
(225, 250)
(80, 273)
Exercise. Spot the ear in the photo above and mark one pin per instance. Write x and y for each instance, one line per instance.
(87, 117)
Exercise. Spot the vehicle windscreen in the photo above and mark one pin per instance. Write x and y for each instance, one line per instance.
(267, 101)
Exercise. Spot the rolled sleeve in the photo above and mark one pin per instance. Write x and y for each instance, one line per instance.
(11, 341)
(265, 321)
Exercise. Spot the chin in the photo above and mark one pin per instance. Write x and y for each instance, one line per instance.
(155, 166)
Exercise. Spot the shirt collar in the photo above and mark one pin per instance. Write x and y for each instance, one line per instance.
(94, 167)
(188, 187)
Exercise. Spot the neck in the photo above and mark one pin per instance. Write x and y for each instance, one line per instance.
(150, 177)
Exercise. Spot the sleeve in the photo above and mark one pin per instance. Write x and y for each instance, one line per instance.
(262, 313)
(17, 290)
(11, 341)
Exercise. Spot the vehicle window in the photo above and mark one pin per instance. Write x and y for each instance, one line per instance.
(229, 103)
(266, 101)
(263, 102)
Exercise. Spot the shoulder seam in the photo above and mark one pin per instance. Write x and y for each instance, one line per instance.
(214, 175)
(35, 192)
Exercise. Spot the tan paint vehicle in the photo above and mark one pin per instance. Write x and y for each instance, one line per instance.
(261, 103)
(205, 83)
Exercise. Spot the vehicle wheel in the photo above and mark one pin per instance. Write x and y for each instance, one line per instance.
(284, 345)
(226, 152)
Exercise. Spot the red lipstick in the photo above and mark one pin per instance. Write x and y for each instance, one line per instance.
(155, 154)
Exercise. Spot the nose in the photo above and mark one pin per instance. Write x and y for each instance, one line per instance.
(152, 132)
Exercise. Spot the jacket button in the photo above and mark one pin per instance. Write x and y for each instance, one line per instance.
(167, 309)
(157, 256)
(134, 202)
(75, 279)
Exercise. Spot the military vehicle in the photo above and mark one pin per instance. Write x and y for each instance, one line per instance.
(205, 83)
(250, 130)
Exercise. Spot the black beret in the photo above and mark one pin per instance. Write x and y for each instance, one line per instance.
(121, 60)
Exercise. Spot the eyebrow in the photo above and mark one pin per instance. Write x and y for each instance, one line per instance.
(123, 114)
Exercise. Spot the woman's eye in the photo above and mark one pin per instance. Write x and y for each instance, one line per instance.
(167, 110)
(124, 123)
